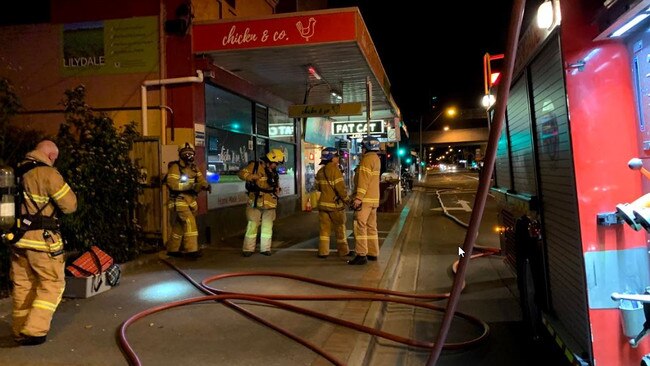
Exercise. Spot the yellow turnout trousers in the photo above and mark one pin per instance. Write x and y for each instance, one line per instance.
(327, 219)
(39, 281)
(365, 230)
(256, 216)
(183, 227)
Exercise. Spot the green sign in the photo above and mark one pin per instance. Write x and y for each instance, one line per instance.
(110, 47)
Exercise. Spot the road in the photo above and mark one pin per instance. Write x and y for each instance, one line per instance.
(436, 227)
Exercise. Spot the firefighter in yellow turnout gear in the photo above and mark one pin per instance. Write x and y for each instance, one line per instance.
(263, 188)
(184, 181)
(37, 260)
(332, 203)
(366, 201)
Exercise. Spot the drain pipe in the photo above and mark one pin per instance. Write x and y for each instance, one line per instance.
(484, 181)
(160, 82)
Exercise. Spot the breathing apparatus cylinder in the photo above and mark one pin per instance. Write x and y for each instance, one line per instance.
(7, 198)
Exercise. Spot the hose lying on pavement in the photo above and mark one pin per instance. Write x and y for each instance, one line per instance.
(371, 294)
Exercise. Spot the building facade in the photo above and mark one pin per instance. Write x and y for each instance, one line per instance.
(222, 75)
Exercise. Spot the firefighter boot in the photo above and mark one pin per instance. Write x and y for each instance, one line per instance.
(358, 260)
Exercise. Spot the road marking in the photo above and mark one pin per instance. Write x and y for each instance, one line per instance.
(464, 206)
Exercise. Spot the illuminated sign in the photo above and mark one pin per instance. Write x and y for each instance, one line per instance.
(281, 130)
(324, 110)
(376, 126)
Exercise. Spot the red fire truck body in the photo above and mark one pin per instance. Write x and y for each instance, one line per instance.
(578, 111)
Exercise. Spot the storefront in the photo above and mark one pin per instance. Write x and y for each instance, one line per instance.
(224, 85)
(297, 59)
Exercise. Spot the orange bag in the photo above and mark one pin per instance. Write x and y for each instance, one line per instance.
(93, 262)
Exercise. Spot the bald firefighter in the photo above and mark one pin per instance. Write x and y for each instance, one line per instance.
(37, 260)
(366, 201)
(184, 181)
(263, 187)
(331, 206)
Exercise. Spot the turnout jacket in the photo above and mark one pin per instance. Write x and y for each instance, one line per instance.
(44, 187)
(261, 200)
(366, 181)
(329, 181)
(184, 181)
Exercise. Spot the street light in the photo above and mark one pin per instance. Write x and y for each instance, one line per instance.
(488, 101)
(450, 112)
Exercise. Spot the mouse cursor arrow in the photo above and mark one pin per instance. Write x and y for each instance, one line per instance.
(461, 252)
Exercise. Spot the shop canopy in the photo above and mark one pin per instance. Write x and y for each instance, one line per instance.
(306, 58)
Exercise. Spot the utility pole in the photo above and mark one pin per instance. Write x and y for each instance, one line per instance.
(420, 154)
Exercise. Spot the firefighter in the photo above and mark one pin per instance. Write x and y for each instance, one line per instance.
(37, 260)
(263, 188)
(184, 181)
(331, 206)
(366, 201)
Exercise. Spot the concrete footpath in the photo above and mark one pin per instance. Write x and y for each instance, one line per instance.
(207, 333)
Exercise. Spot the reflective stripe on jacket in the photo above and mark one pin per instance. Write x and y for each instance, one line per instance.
(264, 200)
(44, 187)
(329, 181)
(184, 181)
(367, 179)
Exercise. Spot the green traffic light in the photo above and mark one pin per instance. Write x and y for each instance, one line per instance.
(422, 163)
(408, 160)
(401, 151)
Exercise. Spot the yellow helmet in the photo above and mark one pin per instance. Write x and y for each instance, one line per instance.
(275, 156)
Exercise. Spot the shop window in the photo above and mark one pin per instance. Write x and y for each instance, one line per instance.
(281, 127)
(261, 120)
(227, 153)
(261, 147)
(288, 169)
(227, 111)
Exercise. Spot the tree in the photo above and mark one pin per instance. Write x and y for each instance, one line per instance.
(94, 160)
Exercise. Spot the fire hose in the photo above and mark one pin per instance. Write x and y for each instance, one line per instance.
(230, 300)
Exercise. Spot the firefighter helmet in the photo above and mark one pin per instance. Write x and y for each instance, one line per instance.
(328, 154)
(186, 152)
(185, 148)
(275, 156)
(370, 143)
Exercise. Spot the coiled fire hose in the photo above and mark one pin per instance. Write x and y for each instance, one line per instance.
(230, 299)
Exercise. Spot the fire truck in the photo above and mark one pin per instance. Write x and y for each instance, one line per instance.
(571, 181)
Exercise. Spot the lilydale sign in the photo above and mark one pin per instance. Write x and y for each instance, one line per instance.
(376, 127)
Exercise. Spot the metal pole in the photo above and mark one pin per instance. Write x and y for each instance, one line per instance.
(484, 181)
(420, 154)
(368, 104)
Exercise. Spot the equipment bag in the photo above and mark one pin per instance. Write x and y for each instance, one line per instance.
(93, 262)
(113, 274)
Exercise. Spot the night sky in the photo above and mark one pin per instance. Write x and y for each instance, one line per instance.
(456, 33)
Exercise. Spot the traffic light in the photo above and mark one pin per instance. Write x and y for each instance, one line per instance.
(408, 160)
(491, 77)
(401, 151)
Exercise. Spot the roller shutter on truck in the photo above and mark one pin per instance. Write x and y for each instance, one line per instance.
(534, 162)
(561, 229)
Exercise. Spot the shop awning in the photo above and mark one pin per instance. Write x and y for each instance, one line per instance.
(277, 52)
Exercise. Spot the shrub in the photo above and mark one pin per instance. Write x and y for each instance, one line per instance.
(94, 161)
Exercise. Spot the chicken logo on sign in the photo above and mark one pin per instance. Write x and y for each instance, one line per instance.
(308, 31)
